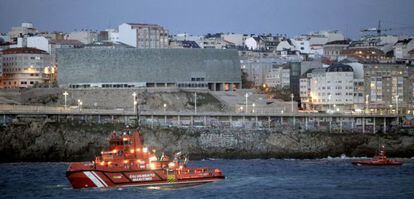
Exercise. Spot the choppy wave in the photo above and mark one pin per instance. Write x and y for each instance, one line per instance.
(344, 157)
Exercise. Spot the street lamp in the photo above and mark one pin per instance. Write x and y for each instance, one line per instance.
(291, 97)
(165, 107)
(134, 95)
(65, 94)
(367, 103)
(396, 102)
(329, 97)
(247, 95)
(80, 105)
(195, 102)
(241, 109)
(253, 105)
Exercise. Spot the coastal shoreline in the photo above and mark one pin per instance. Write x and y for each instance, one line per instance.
(57, 141)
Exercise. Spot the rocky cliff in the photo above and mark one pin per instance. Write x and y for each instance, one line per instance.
(47, 141)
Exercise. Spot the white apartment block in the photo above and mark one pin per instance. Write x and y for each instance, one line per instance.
(143, 35)
(328, 89)
(38, 42)
(302, 45)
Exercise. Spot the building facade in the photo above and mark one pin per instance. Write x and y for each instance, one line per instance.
(113, 35)
(402, 47)
(256, 69)
(25, 67)
(332, 50)
(328, 89)
(130, 67)
(38, 42)
(278, 76)
(388, 86)
(85, 37)
(143, 35)
(366, 55)
(302, 45)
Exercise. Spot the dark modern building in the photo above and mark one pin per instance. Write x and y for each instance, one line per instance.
(295, 68)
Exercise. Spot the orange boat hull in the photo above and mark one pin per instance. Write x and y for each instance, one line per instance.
(105, 179)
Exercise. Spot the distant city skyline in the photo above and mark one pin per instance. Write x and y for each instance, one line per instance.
(293, 18)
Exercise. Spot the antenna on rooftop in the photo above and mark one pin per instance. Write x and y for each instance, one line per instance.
(379, 29)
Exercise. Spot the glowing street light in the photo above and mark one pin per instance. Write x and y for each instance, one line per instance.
(134, 95)
(253, 105)
(80, 104)
(396, 102)
(165, 116)
(65, 94)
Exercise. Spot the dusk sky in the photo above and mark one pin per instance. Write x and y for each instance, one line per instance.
(293, 17)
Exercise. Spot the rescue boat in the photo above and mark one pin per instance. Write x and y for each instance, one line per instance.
(128, 163)
(379, 160)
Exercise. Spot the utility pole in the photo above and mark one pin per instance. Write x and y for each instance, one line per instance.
(247, 95)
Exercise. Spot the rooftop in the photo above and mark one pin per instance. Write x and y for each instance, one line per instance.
(137, 25)
(338, 42)
(23, 51)
(339, 67)
(66, 42)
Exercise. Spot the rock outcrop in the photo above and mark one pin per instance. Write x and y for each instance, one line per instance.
(48, 141)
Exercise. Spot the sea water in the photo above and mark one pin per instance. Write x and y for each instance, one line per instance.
(272, 178)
